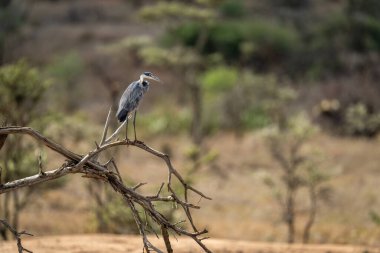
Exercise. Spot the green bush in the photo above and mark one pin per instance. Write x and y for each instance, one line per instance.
(232, 8)
(174, 10)
(21, 88)
(66, 67)
(269, 40)
(354, 30)
(225, 38)
(166, 120)
(255, 118)
(272, 38)
(219, 79)
(359, 121)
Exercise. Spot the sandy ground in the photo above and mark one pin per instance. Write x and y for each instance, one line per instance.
(121, 243)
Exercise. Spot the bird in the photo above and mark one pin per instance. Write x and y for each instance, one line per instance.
(131, 99)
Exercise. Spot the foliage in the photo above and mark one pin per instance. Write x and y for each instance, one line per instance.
(219, 79)
(129, 43)
(169, 57)
(351, 113)
(165, 120)
(174, 10)
(230, 38)
(66, 70)
(375, 217)
(277, 38)
(114, 217)
(300, 168)
(21, 88)
(255, 102)
(232, 8)
(359, 121)
(365, 33)
(66, 67)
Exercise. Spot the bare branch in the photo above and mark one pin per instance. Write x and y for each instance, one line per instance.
(89, 167)
(116, 132)
(138, 186)
(165, 235)
(104, 136)
(17, 235)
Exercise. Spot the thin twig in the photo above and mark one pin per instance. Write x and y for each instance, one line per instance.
(104, 135)
(89, 167)
(17, 235)
(116, 132)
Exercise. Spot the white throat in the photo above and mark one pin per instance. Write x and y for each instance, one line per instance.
(141, 78)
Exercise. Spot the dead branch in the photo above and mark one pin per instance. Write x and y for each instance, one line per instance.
(88, 166)
(17, 235)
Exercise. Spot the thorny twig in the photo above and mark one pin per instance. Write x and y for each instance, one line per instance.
(88, 165)
(17, 235)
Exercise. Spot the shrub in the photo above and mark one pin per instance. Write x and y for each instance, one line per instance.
(21, 88)
(219, 79)
(269, 40)
(166, 120)
(359, 121)
(272, 38)
(232, 8)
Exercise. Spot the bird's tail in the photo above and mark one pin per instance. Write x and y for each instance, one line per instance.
(122, 115)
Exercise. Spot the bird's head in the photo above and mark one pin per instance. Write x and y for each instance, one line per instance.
(148, 75)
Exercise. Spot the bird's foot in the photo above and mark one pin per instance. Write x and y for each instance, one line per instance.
(127, 140)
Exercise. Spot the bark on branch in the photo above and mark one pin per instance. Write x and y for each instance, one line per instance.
(17, 235)
(89, 166)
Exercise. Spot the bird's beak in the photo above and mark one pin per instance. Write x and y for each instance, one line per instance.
(155, 78)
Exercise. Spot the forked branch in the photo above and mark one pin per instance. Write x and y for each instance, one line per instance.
(89, 166)
(17, 235)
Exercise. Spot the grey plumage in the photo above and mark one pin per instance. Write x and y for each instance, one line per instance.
(131, 98)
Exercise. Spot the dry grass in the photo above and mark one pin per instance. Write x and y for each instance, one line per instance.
(242, 206)
(132, 244)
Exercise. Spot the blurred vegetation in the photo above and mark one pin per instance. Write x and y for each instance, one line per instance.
(252, 40)
(22, 90)
(65, 71)
(12, 17)
(112, 214)
(236, 66)
(300, 169)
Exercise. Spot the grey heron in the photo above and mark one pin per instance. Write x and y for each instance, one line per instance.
(131, 98)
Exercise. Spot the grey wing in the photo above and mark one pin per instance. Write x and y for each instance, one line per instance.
(131, 97)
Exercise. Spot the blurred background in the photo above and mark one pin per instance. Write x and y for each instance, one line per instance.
(271, 107)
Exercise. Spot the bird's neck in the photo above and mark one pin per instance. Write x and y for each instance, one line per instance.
(141, 79)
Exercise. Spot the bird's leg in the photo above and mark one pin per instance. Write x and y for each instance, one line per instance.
(126, 129)
(134, 124)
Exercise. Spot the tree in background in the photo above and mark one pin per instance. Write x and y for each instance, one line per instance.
(187, 62)
(299, 169)
(22, 90)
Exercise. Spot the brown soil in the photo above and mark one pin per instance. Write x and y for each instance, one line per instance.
(121, 243)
